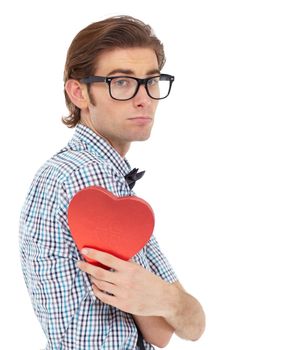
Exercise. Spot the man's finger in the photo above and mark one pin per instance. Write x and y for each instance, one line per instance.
(96, 271)
(105, 286)
(104, 297)
(103, 258)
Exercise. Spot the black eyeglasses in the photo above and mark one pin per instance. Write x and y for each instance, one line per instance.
(123, 88)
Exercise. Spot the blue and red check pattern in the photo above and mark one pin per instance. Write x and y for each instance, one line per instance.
(71, 316)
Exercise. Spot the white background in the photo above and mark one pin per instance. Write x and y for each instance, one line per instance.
(216, 164)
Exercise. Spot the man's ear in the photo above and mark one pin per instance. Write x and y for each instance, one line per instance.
(77, 93)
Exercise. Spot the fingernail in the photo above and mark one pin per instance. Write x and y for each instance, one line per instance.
(84, 251)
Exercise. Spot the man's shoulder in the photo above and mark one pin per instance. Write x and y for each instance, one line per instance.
(71, 159)
(77, 166)
(67, 168)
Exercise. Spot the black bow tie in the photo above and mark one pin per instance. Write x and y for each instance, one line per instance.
(133, 176)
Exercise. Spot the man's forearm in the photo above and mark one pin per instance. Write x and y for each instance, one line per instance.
(154, 329)
(184, 313)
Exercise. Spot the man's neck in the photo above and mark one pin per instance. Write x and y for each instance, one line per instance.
(121, 148)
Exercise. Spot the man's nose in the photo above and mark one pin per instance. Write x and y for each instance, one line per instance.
(142, 98)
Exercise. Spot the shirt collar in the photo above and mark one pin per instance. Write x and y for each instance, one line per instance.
(102, 148)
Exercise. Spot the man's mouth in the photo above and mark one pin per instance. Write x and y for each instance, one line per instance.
(141, 120)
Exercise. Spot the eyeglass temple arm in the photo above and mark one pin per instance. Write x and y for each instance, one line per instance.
(93, 79)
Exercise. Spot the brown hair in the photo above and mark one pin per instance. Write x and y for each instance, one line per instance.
(89, 43)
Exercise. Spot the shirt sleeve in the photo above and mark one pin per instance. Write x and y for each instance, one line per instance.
(58, 289)
(93, 174)
(152, 258)
(158, 262)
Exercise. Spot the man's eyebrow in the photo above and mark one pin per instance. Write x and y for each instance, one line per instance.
(153, 71)
(130, 72)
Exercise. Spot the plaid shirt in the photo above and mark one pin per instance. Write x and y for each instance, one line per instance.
(71, 316)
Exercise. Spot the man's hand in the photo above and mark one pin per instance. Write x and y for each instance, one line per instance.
(131, 288)
(139, 292)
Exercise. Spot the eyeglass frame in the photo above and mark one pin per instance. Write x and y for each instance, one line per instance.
(100, 79)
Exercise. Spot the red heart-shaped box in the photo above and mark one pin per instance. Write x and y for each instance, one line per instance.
(120, 226)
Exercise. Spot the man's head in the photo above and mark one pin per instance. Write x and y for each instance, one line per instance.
(117, 46)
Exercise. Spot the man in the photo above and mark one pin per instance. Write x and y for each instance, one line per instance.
(112, 87)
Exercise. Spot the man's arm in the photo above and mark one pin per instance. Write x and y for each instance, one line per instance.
(185, 313)
(184, 316)
(155, 329)
(138, 291)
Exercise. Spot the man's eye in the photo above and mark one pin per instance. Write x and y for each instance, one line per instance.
(121, 82)
(153, 81)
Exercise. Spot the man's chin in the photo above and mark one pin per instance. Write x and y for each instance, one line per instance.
(142, 137)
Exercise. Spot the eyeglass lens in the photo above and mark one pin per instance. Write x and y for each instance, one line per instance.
(124, 88)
